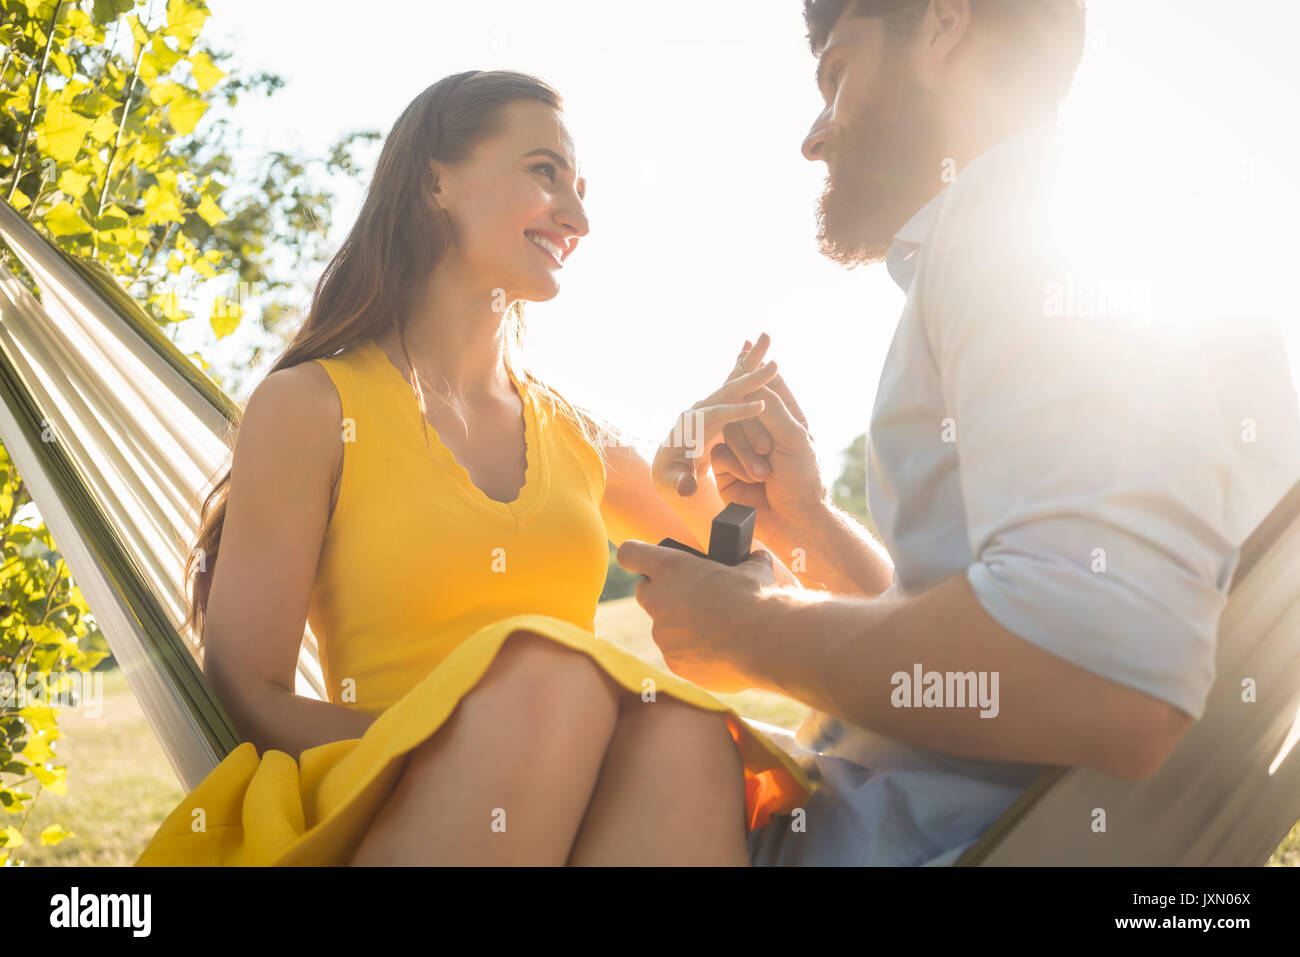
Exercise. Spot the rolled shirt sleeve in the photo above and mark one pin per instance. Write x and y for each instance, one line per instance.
(1095, 462)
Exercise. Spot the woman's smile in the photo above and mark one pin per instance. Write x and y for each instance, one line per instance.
(547, 245)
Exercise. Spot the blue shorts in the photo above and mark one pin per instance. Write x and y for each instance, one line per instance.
(892, 818)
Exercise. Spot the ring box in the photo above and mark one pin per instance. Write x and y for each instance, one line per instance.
(730, 539)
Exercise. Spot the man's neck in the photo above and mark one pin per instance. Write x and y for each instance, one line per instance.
(973, 133)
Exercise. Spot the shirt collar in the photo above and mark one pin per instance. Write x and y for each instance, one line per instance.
(904, 252)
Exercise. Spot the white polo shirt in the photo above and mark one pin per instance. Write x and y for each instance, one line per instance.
(1090, 460)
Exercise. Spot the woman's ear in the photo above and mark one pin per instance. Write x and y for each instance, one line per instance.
(434, 185)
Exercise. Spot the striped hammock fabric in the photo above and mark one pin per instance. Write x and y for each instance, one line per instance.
(138, 434)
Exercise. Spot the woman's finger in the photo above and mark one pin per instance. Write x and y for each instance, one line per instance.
(699, 429)
(738, 434)
(736, 389)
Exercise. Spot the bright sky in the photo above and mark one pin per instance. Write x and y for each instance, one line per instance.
(688, 117)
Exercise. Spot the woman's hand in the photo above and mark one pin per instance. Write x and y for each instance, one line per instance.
(679, 458)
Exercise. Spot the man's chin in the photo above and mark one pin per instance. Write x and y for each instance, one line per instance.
(852, 251)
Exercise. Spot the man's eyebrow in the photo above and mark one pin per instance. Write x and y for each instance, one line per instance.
(824, 59)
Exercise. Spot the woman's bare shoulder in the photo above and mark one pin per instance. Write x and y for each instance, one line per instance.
(293, 414)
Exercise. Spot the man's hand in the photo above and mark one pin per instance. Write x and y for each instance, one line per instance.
(700, 609)
(776, 440)
(749, 440)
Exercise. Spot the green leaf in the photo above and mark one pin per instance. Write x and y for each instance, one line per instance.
(73, 183)
(163, 93)
(63, 63)
(55, 833)
(206, 73)
(184, 21)
(211, 212)
(54, 780)
(170, 306)
(161, 205)
(112, 218)
(185, 111)
(161, 57)
(63, 220)
(62, 132)
(106, 11)
(138, 33)
(225, 316)
(104, 129)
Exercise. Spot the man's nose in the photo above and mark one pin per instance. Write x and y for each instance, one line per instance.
(815, 141)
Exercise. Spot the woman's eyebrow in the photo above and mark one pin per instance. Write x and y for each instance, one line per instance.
(542, 151)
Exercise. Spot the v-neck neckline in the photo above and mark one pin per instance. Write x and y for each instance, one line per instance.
(528, 499)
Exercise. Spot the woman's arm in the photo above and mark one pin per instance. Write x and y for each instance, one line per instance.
(287, 452)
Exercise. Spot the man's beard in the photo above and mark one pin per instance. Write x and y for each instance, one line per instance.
(881, 172)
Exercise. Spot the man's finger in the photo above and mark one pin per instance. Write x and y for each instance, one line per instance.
(785, 428)
(778, 386)
(644, 558)
(736, 436)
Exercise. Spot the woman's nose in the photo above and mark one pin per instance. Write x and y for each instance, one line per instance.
(574, 219)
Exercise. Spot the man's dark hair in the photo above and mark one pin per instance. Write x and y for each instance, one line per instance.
(1044, 38)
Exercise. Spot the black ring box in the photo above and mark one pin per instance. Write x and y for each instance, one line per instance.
(730, 539)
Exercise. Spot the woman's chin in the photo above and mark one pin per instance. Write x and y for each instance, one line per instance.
(540, 290)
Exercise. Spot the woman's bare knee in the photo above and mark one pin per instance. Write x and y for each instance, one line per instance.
(535, 693)
(696, 741)
(531, 664)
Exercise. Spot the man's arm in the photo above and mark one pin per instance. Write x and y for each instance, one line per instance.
(831, 551)
(839, 655)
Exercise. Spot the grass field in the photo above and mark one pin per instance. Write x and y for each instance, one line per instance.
(120, 785)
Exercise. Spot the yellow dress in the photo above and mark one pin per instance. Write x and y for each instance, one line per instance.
(421, 579)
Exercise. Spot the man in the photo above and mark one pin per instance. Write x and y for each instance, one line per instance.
(1063, 494)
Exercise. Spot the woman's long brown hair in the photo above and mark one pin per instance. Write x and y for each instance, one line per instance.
(374, 278)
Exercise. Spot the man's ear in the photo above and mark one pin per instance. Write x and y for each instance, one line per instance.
(946, 25)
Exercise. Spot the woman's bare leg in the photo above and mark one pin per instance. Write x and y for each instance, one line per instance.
(672, 790)
(507, 778)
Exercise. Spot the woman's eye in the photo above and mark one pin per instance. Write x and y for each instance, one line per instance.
(547, 166)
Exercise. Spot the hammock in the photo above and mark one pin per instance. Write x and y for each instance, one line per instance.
(137, 434)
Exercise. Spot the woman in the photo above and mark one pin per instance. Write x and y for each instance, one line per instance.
(449, 555)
